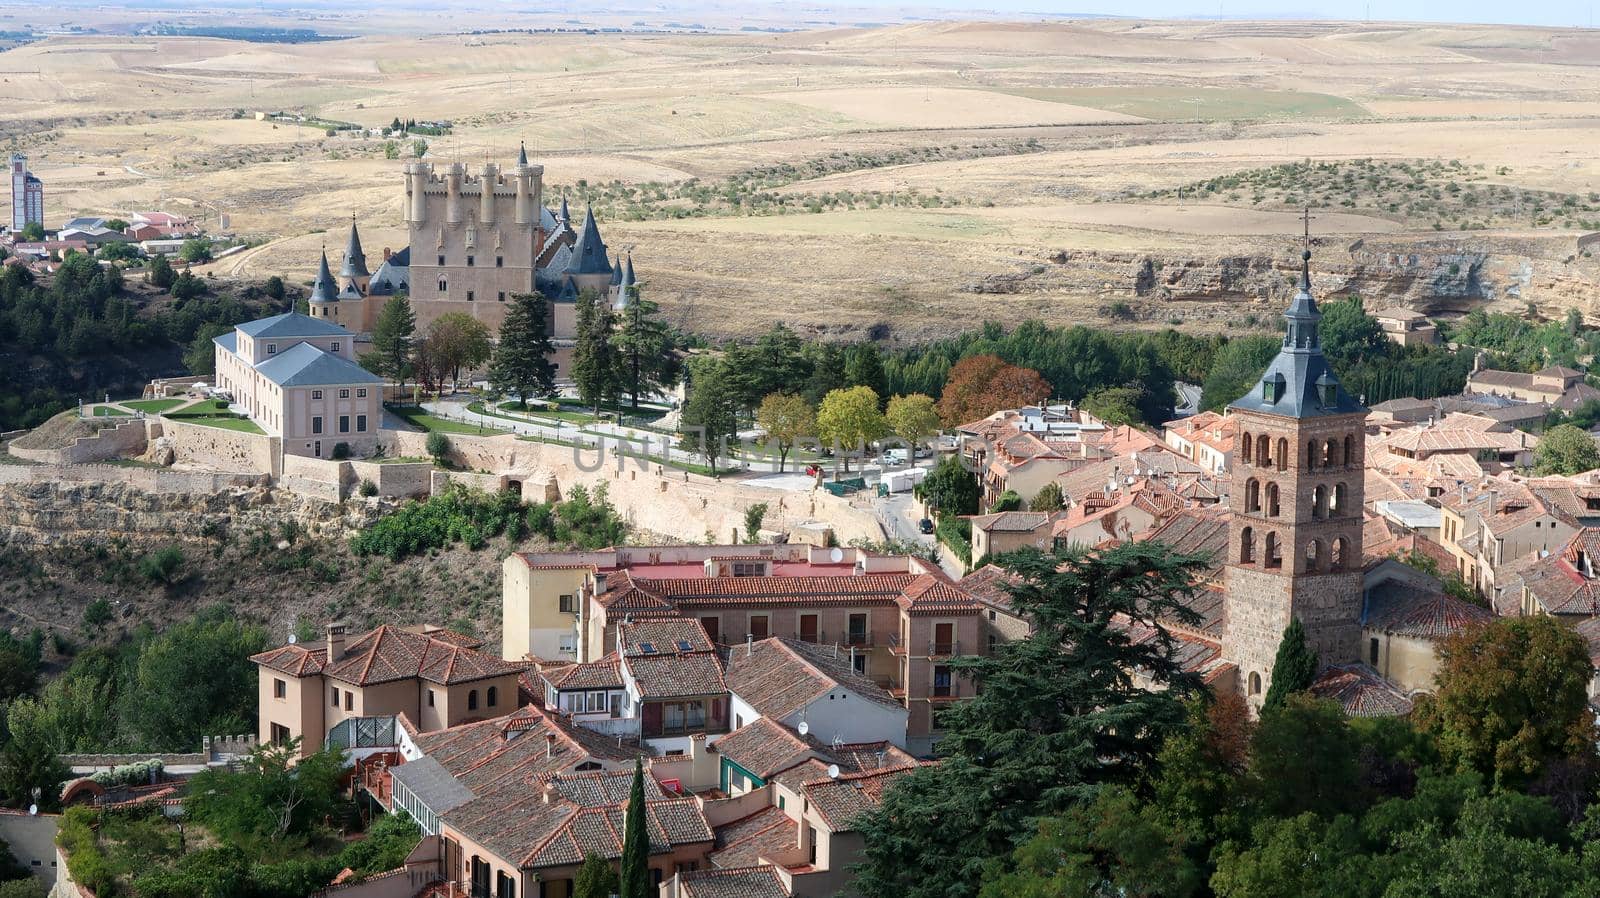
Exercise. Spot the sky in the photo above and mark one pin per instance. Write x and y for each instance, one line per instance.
(1563, 13)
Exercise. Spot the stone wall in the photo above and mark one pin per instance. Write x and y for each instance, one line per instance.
(395, 479)
(150, 480)
(220, 449)
(127, 438)
(318, 478)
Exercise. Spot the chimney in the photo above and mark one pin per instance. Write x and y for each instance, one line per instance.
(335, 642)
(549, 745)
(387, 252)
(749, 644)
(548, 793)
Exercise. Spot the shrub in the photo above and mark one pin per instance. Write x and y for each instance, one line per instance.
(97, 614)
(162, 565)
(341, 451)
(367, 489)
(457, 515)
(137, 773)
(85, 860)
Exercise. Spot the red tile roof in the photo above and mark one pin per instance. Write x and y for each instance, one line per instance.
(779, 676)
(389, 654)
(1361, 691)
(766, 748)
(1402, 609)
(739, 882)
(843, 799)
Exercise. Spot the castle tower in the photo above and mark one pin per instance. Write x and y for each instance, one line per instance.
(354, 270)
(627, 287)
(1294, 548)
(589, 268)
(324, 299)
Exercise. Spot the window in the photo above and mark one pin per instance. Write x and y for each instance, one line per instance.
(758, 626)
(344, 423)
(316, 394)
(441, 260)
(502, 296)
(492, 696)
(941, 680)
(471, 262)
(316, 424)
(616, 705)
(444, 285)
(349, 700)
(858, 629)
(430, 698)
(564, 604)
(859, 662)
(361, 423)
(280, 735)
(361, 393)
(335, 346)
(713, 627)
(469, 296)
(344, 394)
(272, 349)
(748, 569)
(499, 261)
(1372, 652)
(472, 700)
(595, 702)
(280, 689)
(334, 696)
(1255, 683)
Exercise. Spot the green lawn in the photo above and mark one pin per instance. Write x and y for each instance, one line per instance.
(153, 406)
(416, 417)
(108, 411)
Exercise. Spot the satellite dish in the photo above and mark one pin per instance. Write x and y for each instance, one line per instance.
(836, 555)
(33, 810)
(292, 639)
(833, 771)
(804, 727)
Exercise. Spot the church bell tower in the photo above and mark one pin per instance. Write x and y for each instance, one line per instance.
(1294, 548)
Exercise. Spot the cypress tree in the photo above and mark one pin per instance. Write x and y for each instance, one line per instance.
(1293, 669)
(595, 878)
(636, 843)
(391, 341)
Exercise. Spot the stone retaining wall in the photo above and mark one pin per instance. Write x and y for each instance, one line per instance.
(220, 449)
(151, 480)
(120, 440)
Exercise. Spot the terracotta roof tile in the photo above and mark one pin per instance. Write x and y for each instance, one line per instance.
(1399, 608)
(779, 676)
(388, 654)
(841, 800)
(1361, 691)
(739, 882)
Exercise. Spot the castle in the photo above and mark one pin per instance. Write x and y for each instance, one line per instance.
(474, 242)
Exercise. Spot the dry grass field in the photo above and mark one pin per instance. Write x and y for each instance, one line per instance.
(929, 160)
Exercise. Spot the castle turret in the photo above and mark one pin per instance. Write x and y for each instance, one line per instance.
(627, 287)
(452, 193)
(354, 270)
(491, 177)
(589, 269)
(417, 176)
(527, 193)
(324, 299)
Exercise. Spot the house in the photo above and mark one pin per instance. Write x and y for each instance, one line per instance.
(673, 681)
(1495, 522)
(1002, 622)
(1118, 514)
(1007, 531)
(1557, 386)
(1205, 439)
(1561, 583)
(1405, 614)
(1407, 327)
(436, 677)
(802, 684)
(296, 378)
(1020, 450)
(902, 615)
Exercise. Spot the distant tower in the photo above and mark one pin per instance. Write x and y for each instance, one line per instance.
(589, 269)
(27, 195)
(1294, 547)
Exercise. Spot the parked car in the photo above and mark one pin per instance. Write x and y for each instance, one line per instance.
(925, 525)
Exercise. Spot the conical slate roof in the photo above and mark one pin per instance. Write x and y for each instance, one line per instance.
(589, 253)
(565, 216)
(628, 280)
(355, 261)
(1300, 383)
(625, 284)
(323, 288)
(616, 273)
(522, 154)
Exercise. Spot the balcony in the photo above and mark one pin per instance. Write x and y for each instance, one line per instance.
(896, 644)
(937, 649)
(859, 640)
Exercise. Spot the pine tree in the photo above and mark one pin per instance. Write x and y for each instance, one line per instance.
(521, 363)
(391, 341)
(646, 350)
(596, 364)
(1293, 669)
(595, 878)
(636, 843)
(709, 419)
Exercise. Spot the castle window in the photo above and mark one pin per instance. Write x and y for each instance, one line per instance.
(499, 261)
(1247, 546)
(1313, 556)
(472, 700)
(492, 695)
(1273, 553)
(1319, 502)
(441, 258)
(1347, 456)
(1311, 455)
(1255, 683)
(469, 296)
(444, 286)
(471, 262)
(1330, 453)
(502, 296)
(1337, 506)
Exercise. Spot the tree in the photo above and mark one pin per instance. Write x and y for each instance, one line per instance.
(1349, 334)
(709, 421)
(1294, 668)
(980, 385)
(1511, 698)
(195, 250)
(274, 794)
(97, 614)
(649, 363)
(781, 364)
(849, 419)
(521, 364)
(1006, 501)
(30, 772)
(275, 289)
(391, 341)
(1303, 758)
(950, 489)
(1117, 845)
(596, 364)
(438, 446)
(1048, 498)
(1116, 406)
(201, 356)
(186, 286)
(754, 515)
(635, 879)
(912, 418)
(863, 367)
(1054, 718)
(786, 418)
(457, 340)
(193, 680)
(117, 250)
(162, 565)
(160, 274)
(595, 878)
(32, 232)
(1566, 450)
(1236, 368)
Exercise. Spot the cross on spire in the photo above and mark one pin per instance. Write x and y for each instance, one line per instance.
(1305, 219)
